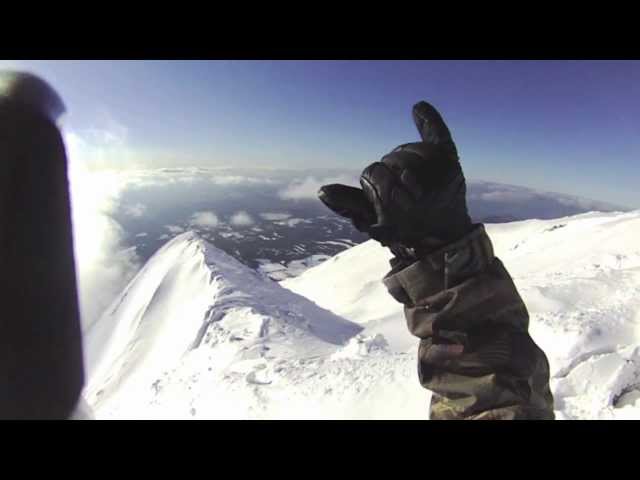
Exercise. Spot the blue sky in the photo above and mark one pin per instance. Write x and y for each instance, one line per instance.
(571, 127)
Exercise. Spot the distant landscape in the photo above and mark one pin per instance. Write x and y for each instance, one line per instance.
(271, 220)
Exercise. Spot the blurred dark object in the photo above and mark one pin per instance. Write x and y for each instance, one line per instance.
(41, 366)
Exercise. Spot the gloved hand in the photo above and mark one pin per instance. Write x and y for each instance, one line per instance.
(413, 199)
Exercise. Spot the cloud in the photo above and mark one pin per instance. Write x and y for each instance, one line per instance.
(307, 188)
(507, 196)
(241, 219)
(174, 228)
(587, 204)
(136, 210)
(104, 148)
(204, 219)
(235, 235)
(291, 222)
(273, 216)
(104, 263)
(240, 180)
(188, 175)
(491, 202)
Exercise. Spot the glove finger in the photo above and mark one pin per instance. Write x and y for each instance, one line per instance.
(430, 124)
(348, 202)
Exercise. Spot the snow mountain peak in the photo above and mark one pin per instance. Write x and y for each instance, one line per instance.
(192, 296)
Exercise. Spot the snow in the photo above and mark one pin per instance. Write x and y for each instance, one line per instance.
(191, 311)
(196, 334)
(580, 279)
(293, 268)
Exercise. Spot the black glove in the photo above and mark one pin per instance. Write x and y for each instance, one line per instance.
(413, 200)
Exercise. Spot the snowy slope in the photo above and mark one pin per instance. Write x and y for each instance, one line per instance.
(580, 279)
(198, 335)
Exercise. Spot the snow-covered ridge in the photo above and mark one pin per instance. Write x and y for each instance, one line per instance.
(191, 296)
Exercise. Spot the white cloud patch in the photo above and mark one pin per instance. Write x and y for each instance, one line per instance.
(509, 202)
(241, 219)
(136, 211)
(104, 264)
(103, 148)
(205, 219)
(239, 180)
(274, 216)
(174, 228)
(507, 196)
(189, 175)
(587, 204)
(307, 188)
(291, 222)
(235, 235)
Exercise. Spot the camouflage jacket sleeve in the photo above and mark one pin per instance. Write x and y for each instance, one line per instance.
(475, 352)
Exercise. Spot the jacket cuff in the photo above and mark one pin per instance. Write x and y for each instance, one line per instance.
(442, 269)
